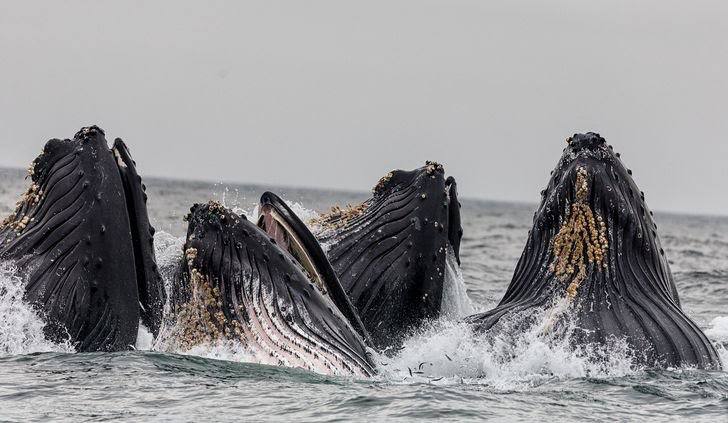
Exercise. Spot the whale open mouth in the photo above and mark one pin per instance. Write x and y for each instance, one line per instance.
(279, 225)
(293, 236)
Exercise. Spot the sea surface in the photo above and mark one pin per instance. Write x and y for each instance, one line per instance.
(443, 373)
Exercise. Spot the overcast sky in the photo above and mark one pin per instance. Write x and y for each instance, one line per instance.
(336, 93)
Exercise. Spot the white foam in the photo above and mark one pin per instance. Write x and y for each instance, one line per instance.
(718, 330)
(21, 328)
(455, 301)
(718, 333)
(145, 339)
(168, 251)
(449, 352)
(221, 350)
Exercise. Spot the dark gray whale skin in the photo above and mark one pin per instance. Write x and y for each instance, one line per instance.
(71, 237)
(390, 252)
(152, 295)
(630, 296)
(253, 280)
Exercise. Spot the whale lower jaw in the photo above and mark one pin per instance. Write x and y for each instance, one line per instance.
(266, 332)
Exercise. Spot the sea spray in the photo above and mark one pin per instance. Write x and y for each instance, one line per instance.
(21, 328)
(510, 357)
(455, 301)
(221, 350)
(145, 339)
(718, 333)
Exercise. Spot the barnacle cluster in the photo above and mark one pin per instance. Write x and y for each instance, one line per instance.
(338, 216)
(190, 255)
(201, 320)
(214, 210)
(581, 241)
(431, 167)
(19, 220)
(216, 207)
(382, 182)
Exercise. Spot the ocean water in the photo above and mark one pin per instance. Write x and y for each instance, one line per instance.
(442, 373)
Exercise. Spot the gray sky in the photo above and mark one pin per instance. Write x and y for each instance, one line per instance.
(336, 93)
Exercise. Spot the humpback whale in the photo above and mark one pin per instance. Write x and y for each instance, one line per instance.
(238, 283)
(594, 245)
(390, 251)
(81, 237)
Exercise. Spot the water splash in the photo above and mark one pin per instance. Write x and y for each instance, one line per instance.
(718, 333)
(251, 211)
(455, 301)
(718, 330)
(511, 358)
(447, 351)
(21, 328)
(221, 350)
(145, 339)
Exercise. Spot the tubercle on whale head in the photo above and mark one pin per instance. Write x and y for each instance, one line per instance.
(425, 179)
(56, 147)
(398, 179)
(38, 172)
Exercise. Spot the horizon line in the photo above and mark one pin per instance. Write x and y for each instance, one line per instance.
(368, 192)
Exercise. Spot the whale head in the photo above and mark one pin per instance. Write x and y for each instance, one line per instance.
(391, 252)
(238, 284)
(594, 245)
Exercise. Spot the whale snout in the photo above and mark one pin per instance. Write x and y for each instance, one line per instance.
(588, 141)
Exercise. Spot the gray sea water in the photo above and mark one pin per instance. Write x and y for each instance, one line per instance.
(442, 373)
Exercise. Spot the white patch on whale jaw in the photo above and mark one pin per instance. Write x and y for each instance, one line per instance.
(119, 160)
